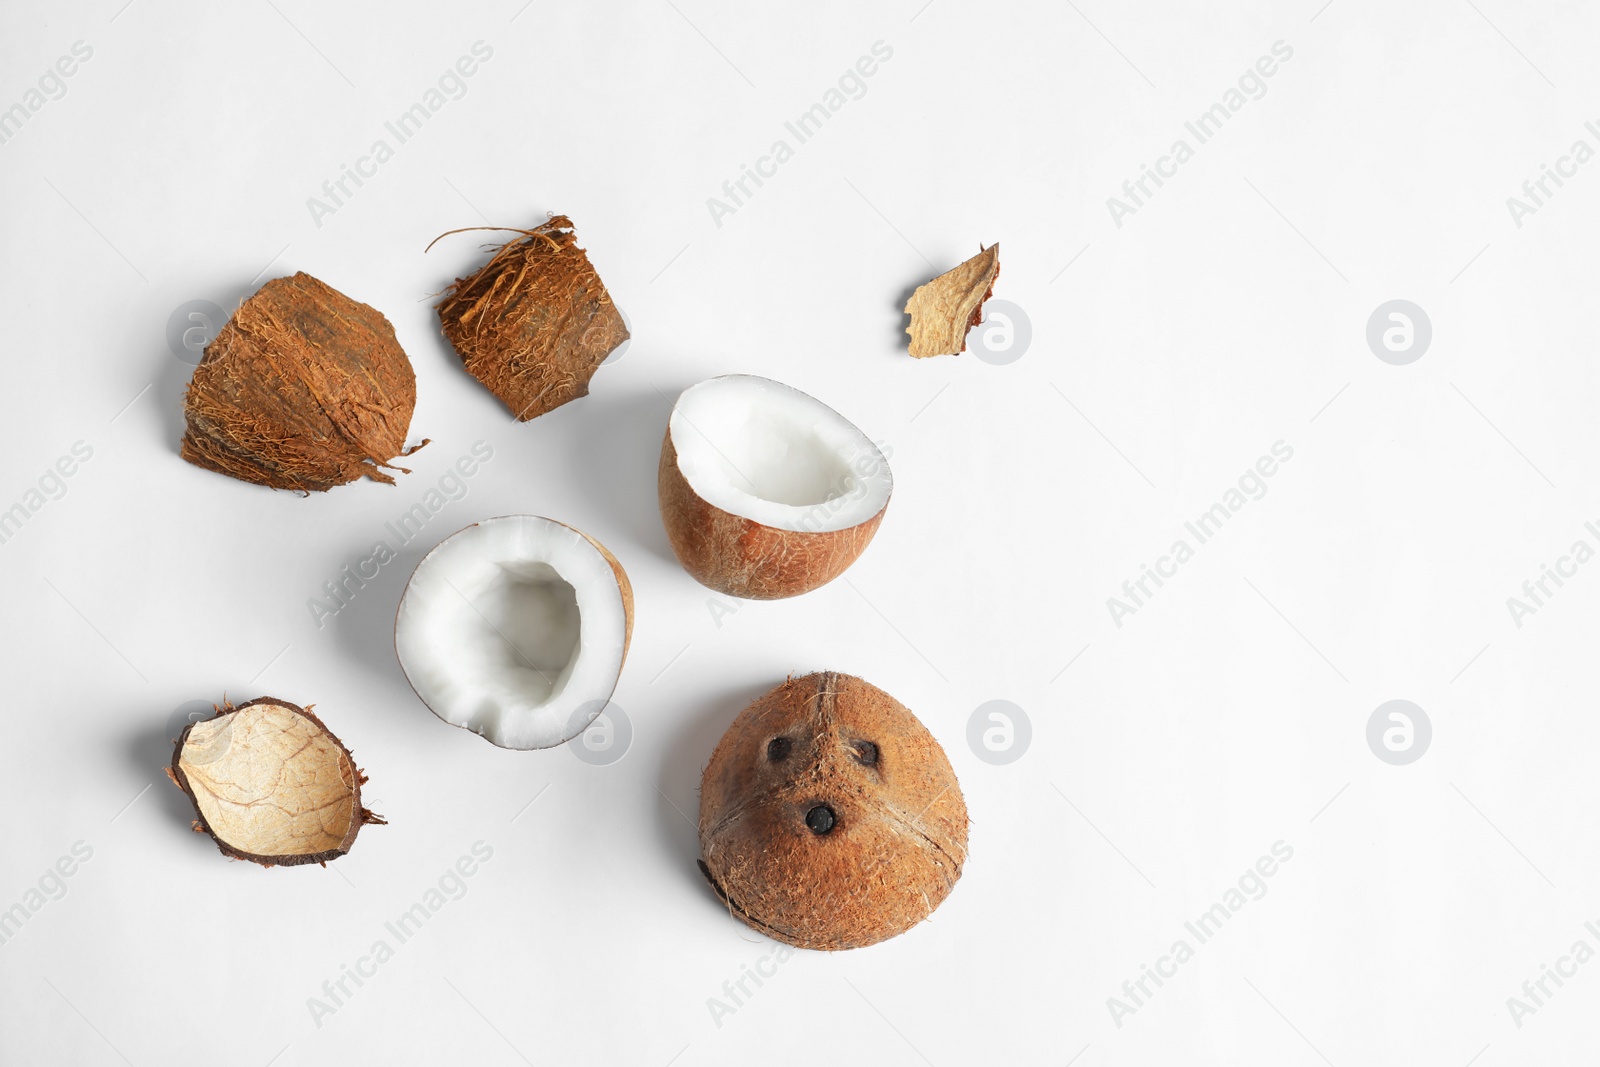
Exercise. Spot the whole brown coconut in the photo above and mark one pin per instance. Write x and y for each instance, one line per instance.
(304, 388)
(535, 322)
(829, 816)
(271, 784)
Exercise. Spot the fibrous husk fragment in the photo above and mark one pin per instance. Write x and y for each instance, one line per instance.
(271, 784)
(535, 322)
(304, 388)
(830, 818)
(943, 310)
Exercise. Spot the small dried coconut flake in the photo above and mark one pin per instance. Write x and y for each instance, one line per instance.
(535, 322)
(303, 389)
(271, 784)
(943, 310)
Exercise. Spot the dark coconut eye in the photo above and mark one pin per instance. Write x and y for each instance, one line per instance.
(866, 753)
(778, 749)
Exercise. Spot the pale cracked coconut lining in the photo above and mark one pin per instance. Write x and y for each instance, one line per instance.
(767, 492)
(516, 628)
(271, 784)
(830, 818)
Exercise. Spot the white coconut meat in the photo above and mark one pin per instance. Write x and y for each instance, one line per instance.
(515, 628)
(767, 452)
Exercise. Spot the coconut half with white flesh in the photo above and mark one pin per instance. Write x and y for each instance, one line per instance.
(516, 628)
(767, 492)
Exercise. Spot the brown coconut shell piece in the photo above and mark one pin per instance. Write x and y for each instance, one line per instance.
(829, 816)
(303, 388)
(271, 784)
(535, 322)
(944, 310)
(740, 557)
(623, 584)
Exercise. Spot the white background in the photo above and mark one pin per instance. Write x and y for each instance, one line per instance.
(1166, 356)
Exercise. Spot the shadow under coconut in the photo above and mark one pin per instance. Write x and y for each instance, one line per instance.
(678, 777)
(617, 445)
(148, 749)
(173, 372)
(364, 628)
(902, 321)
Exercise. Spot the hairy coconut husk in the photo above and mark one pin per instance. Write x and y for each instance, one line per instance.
(304, 388)
(271, 784)
(883, 856)
(944, 310)
(535, 322)
(740, 557)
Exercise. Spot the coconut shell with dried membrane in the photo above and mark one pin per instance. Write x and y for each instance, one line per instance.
(270, 783)
(303, 388)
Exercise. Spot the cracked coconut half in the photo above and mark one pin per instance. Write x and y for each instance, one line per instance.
(516, 628)
(271, 784)
(765, 491)
(303, 388)
(944, 310)
(535, 322)
(830, 818)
